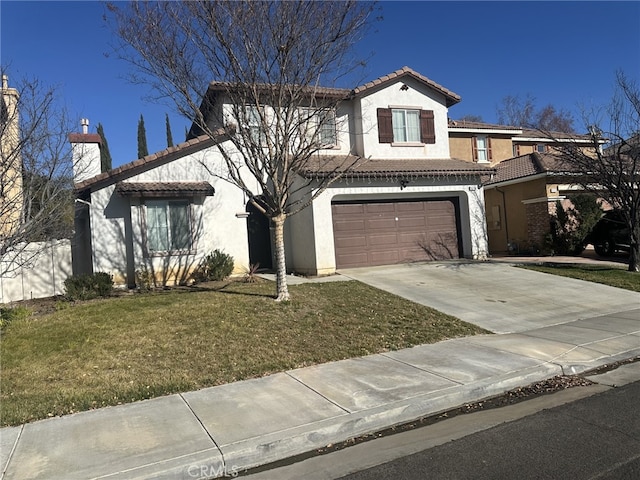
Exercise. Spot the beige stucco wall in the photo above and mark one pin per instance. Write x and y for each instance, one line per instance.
(511, 226)
(11, 197)
(461, 146)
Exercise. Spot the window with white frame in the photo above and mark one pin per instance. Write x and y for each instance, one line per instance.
(481, 149)
(168, 226)
(406, 125)
(254, 124)
(320, 127)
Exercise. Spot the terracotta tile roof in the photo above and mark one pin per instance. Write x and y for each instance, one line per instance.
(533, 133)
(529, 165)
(338, 93)
(163, 189)
(453, 124)
(357, 167)
(523, 132)
(452, 98)
(343, 93)
(150, 161)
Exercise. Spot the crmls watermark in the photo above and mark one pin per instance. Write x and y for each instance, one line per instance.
(213, 471)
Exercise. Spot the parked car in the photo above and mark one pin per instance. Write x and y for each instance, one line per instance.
(610, 234)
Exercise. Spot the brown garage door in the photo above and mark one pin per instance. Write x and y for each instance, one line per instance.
(384, 233)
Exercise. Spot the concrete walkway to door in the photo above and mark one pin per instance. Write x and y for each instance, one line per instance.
(497, 296)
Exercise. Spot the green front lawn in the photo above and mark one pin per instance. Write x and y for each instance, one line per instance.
(613, 276)
(128, 348)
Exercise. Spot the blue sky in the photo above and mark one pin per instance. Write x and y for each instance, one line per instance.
(563, 53)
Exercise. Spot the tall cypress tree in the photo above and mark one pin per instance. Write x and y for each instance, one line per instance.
(105, 155)
(143, 151)
(169, 136)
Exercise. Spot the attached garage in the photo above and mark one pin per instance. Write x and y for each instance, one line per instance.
(395, 231)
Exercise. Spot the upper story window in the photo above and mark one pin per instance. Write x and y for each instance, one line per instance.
(168, 226)
(516, 150)
(406, 125)
(254, 124)
(481, 148)
(540, 148)
(327, 126)
(321, 127)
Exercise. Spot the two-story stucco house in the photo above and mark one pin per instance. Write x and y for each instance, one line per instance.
(405, 198)
(530, 179)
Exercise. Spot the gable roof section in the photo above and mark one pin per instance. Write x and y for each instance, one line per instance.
(150, 161)
(345, 93)
(451, 97)
(355, 167)
(534, 134)
(530, 165)
(315, 91)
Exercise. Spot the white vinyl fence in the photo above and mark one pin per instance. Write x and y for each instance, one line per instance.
(37, 271)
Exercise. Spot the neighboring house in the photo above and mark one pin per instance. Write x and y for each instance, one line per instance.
(521, 198)
(11, 195)
(489, 143)
(406, 199)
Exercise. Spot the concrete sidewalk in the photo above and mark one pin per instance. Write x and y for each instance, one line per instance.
(234, 427)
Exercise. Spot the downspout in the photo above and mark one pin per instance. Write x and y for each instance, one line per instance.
(506, 223)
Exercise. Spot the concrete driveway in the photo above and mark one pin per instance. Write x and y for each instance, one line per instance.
(495, 296)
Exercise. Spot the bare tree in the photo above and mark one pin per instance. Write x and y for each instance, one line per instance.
(268, 64)
(522, 112)
(36, 190)
(613, 173)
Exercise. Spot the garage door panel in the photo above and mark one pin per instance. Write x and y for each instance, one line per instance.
(382, 233)
(381, 224)
(382, 239)
(351, 242)
(412, 223)
(373, 208)
(384, 257)
(350, 225)
(352, 260)
(348, 209)
(410, 207)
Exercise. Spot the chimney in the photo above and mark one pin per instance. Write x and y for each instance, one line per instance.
(86, 153)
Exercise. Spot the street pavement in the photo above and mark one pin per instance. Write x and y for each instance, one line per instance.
(594, 437)
(540, 437)
(232, 428)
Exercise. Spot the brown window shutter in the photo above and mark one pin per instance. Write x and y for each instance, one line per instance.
(474, 148)
(427, 127)
(385, 126)
(489, 148)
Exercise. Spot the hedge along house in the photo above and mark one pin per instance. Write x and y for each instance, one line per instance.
(404, 199)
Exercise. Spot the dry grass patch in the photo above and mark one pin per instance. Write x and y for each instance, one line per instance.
(119, 350)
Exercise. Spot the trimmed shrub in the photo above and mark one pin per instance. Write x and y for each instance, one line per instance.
(214, 267)
(88, 286)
